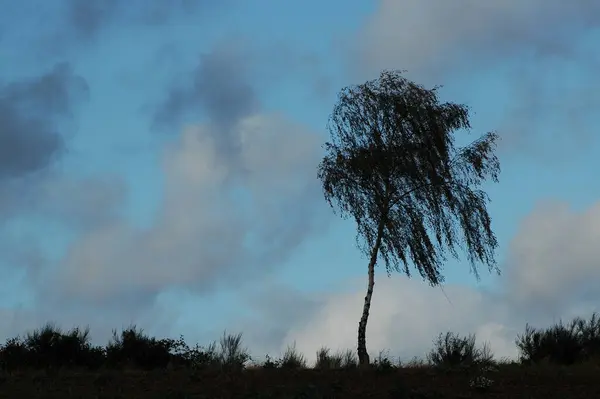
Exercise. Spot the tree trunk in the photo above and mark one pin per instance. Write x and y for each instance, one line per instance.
(363, 356)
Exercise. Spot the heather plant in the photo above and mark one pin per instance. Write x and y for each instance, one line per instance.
(590, 336)
(563, 344)
(49, 347)
(232, 355)
(349, 359)
(452, 350)
(132, 348)
(558, 344)
(14, 355)
(415, 362)
(292, 359)
(383, 363)
(340, 360)
(201, 357)
(270, 363)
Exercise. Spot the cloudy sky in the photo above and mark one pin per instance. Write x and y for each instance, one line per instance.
(158, 167)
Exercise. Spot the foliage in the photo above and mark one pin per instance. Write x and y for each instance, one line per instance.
(292, 359)
(49, 348)
(271, 364)
(393, 166)
(232, 355)
(576, 342)
(132, 348)
(340, 360)
(452, 350)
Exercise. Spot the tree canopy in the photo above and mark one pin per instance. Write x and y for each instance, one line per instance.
(393, 165)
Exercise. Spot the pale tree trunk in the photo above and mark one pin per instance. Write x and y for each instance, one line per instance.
(363, 356)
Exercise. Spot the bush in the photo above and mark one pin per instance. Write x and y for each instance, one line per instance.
(292, 360)
(340, 360)
(590, 337)
(14, 355)
(383, 363)
(561, 344)
(271, 364)
(134, 349)
(453, 350)
(232, 356)
(49, 347)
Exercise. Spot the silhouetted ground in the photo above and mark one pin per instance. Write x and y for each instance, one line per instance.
(544, 382)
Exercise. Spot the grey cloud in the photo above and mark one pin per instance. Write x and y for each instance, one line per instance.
(224, 86)
(88, 17)
(75, 24)
(219, 88)
(31, 112)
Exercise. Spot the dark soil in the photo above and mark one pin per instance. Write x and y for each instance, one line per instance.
(544, 382)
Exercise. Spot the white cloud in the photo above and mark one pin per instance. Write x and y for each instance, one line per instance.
(555, 257)
(406, 316)
(552, 273)
(434, 35)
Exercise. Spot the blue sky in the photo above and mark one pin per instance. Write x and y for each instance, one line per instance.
(160, 166)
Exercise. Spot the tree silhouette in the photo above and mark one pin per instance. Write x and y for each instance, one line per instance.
(392, 165)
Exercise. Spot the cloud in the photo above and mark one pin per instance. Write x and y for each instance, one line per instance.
(555, 257)
(435, 35)
(406, 316)
(219, 88)
(68, 25)
(545, 71)
(31, 113)
(227, 81)
(87, 18)
(80, 203)
(218, 224)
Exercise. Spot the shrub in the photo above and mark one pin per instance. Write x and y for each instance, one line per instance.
(232, 356)
(558, 344)
(133, 348)
(270, 363)
(349, 359)
(49, 347)
(590, 336)
(327, 361)
(561, 344)
(340, 360)
(292, 359)
(14, 355)
(415, 362)
(453, 350)
(201, 358)
(383, 362)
